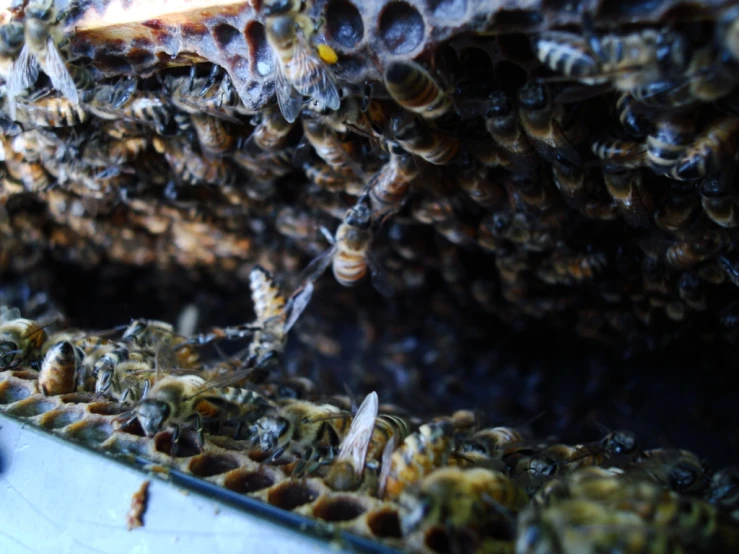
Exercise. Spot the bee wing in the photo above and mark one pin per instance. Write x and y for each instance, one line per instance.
(321, 86)
(23, 74)
(296, 304)
(316, 267)
(9, 314)
(379, 276)
(223, 381)
(387, 454)
(289, 99)
(355, 444)
(57, 71)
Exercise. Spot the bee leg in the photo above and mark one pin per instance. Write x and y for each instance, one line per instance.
(196, 421)
(124, 396)
(276, 454)
(147, 386)
(175, 440)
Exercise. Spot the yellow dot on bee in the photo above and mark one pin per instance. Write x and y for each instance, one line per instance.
(327, 54)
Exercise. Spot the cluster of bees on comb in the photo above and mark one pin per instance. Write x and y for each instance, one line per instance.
(578, 174)
(445, 484)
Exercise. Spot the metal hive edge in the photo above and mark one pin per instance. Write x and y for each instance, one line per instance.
(68, 464)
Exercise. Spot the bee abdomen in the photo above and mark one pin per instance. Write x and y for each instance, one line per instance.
(414, 89)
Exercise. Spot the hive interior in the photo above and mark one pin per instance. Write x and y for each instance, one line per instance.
(103, 230)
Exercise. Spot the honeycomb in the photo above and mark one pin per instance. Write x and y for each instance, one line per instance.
(561, 170)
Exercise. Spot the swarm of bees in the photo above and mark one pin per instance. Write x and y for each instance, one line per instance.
(577, 170)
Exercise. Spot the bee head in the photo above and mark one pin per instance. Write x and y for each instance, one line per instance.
(282, 31)
(620, 442)
(42, 10)
(498, 104)
(360, 215)
(11, 38)
(8, 351)
(270, 431)
(104, 380)
(533, 96)
(151, 415)
(279, 7)
(404, 126)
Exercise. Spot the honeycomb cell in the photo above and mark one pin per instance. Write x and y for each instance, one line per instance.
(208, 465)
(31, 407)
(291, 494)
(186, 446)
(11, 392)
(128, 447)
(77, 398)
(385, 524)
(401, 28)
(448, 10)
(133, 427)
(262, 59)
(339, 508)
(246, 481)
(91, 433)
(225, 35)
(106, 408)
(437, 539)
(344, 24)
(57, 419)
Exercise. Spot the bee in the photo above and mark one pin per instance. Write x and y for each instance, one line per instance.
(731, 268)
(503, 124)
(724, 491)
(127, 379)
(389, 187)
(350, 254)
(677, 212)
(272, 130)
(718, 199)
(419, 139)
(275, 316)
(151, 334)
(541, 125)
(20, 339)
(11, 39)
(631, 120)
(213, 134)
(45, 110)
(709, 151)
(177, 400)
(691, 292)
(625, 154)
(679, 470)
(190, 167)
(312, 432)
(626, 61)
(124, 101)
(486, 446)
(40, 52)
(667, 143)
(348, 465)
(571, 181)
(300, 72)
(460, 498)
(420, 453)
(411, 86)
(686, 254)
(327, 145)
(633, 199)
(213, 95)
(60, 369)
(578, 267)
(339, 179)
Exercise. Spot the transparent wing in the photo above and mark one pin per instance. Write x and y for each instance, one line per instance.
(9, 314)
(355, 444)
(57, 71)
(223, 381)
(387, 454)
(316, 80)
(297, 303)
(379, 276)
(316, 267)
(23, 74)
(289, 99)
